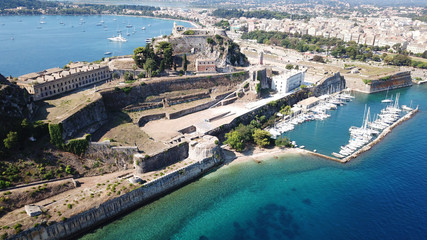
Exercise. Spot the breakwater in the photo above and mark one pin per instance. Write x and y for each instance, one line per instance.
(111, 209)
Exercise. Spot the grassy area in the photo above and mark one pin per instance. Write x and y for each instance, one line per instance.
(57, 108)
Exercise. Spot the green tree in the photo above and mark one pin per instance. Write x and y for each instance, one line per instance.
(139, 57)
(289, 66)
(234, 140)
(261, 137)
(11, 140)
(150, 66)
(318, 58)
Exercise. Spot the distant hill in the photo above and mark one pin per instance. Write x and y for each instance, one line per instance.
(5, 4)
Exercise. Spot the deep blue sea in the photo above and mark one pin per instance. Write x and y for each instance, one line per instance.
(28, 46)
(380, 195)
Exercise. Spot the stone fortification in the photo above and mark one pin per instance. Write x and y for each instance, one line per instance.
(111, 209)
(145, 163)
(84, 120)
(330, 84)
(393, 81)
(116, 99)
(122, 155)
(203, 148)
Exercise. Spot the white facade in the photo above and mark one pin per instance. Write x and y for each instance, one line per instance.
(287, 82)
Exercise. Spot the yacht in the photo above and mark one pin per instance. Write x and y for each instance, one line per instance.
(119, 38)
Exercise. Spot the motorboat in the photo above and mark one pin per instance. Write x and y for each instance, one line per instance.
(107, 53)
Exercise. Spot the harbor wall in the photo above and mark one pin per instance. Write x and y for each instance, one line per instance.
(393, 81)
(80, 223)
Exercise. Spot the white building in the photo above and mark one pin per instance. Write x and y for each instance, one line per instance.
(287, 81)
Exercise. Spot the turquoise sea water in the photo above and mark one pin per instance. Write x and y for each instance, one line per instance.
(28, 46)
(380, 195)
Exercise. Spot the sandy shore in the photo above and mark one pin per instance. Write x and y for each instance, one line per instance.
(258, 154)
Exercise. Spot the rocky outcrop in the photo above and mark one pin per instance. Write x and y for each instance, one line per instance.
(15, 105)
(218, 47)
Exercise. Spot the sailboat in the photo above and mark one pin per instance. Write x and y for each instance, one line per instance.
(127, 33)
(387, 100)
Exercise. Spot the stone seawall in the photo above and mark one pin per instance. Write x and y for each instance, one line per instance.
(116, 99)
(161, 160)
(87, 119)
(111, 209)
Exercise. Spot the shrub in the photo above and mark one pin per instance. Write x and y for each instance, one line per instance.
(78, 146)
(55, 132)
(11, 140)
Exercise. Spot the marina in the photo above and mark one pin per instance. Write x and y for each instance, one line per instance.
(374, 126)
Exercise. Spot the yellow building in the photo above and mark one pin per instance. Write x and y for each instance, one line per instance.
(55, 81)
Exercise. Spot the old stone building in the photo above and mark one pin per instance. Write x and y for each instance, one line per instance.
(55, 81)
(205, 66)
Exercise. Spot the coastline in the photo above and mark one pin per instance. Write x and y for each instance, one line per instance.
(259, 155)
(195, 25)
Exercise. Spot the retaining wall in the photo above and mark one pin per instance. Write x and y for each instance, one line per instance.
(145, 119)
(163, 159)
(87, 119)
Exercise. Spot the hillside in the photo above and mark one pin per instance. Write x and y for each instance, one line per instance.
(218, 47)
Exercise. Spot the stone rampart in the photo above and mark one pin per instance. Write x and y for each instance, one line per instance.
(144, 163)
(145, 119)
(111, 209)
(116, 99)
(393, 81)
(331, 84)
(122, 155)
(187, 111)
(87, 119)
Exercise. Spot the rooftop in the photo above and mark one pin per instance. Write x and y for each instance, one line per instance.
(309, 101)
(55, 73)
